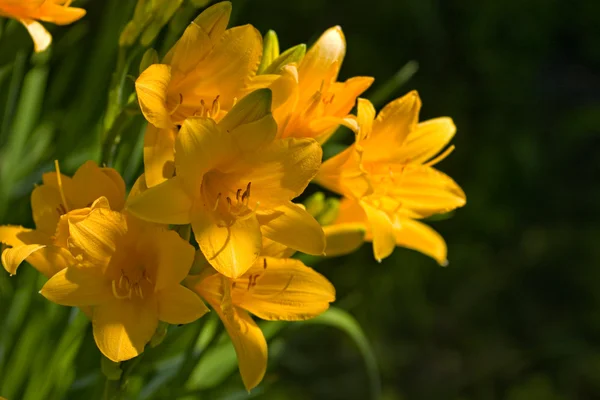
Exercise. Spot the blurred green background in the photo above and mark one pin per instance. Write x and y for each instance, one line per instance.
(516, 315)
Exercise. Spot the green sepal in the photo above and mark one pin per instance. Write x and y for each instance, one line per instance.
(292, 55)
(270, 51)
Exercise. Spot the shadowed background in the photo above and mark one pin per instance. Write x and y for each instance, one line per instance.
(516, 313)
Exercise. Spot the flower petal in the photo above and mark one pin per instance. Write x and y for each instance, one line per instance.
(46, 205)
(231, 250)
(254, 136)
(200, 146)
(391, 127)
(282, 170)
(425, 190)
(426, 140)
(344, 174)
(382, 231)
(214, 19)
(420, 237)
(96, 236)
(12, 258)
(316, 66)
(283, 289)
(365, 118)
(174, 257)
(41, 38)
(51, 259)
(291, 225)
(91, 182)
(159, 154)
(252, 107)
(152, 87)
(58, 14)
(179, 305)
(189, 50)
(167, 203)
(345, 93)
(122, 328)
(77, 286)
(344, 238)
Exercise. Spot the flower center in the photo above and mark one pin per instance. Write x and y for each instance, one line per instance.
(231, 210)
(127, 287)
(210, 112)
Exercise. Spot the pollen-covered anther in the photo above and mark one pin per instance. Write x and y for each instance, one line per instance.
(217, 202)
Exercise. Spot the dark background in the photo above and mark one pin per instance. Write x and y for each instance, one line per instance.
(516, 313)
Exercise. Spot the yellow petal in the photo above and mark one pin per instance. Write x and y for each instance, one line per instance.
(226, 70)
(200, 146)
(179, 305)
(96, 236)
(283, 289)
(382, 230)
(420, 237)
(12, 258)
(214, 19)
(167, 203)
(91, 182)
(41, 38)
(365, 118)
(426, 140)
(51, 259)
(174, 257)
(159, 154)
(231, 250)
(345, 93)
(291, 225)
(189, 50)
(77, 287)
(351, 211)
(391, 127)
(139, 187)
(270, 248)
(323, 58)
(58, 14)
(343, 238)
(152, 87)
(282, 170)
(344, 174)
(424, 190)
(122, 328)
(46, 205)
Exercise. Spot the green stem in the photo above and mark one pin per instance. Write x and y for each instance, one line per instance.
(112, 390)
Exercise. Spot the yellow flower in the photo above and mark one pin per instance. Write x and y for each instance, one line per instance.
(129, 273)
(234, 184)
(388, 180)
(28, 12)
(316, 104)
(204, 74)
(44, 247)
(273, 289)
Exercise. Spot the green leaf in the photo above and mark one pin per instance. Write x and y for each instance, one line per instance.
(342, 320)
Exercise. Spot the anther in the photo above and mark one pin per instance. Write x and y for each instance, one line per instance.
(238, 194)
(216, 106)
(228, 203)
(264, 263)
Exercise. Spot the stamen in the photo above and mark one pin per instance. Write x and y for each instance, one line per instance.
(217, 202)
(202, 107)
(237, 195)
(117, 295)
(264, 263)
(216, 106)
(228, 204)
(440, 157)
(246, 195)
(234, 101)
(177, 105)
(60, 186)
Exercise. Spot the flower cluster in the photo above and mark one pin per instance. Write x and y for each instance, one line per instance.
(234, 135)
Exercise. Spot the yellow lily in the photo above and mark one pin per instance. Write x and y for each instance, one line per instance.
(316, 103)
(204, 74)
(129, 273)
(234, 184)
(45, 247)
(388, 180)
(274, 289)
(28, 12)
